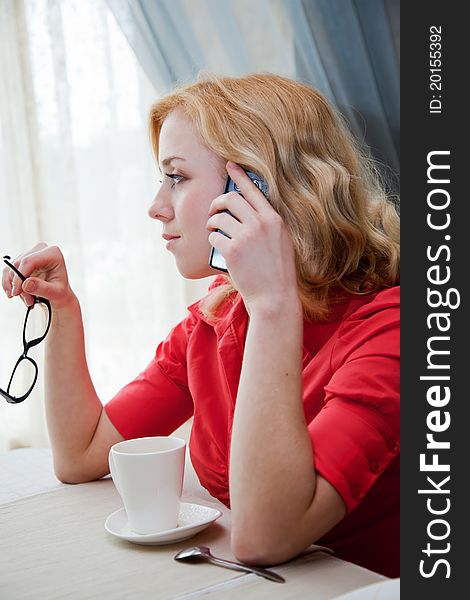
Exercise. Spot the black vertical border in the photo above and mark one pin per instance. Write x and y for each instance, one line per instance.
(421, 133)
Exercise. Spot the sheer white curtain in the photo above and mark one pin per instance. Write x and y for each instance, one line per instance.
(76, 170)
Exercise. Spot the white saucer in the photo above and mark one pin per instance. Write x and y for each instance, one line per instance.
(192, 519)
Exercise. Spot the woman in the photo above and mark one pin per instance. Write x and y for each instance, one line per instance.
(290, 364)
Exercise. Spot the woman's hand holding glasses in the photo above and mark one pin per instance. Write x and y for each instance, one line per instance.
(45, 274)
(39, 277)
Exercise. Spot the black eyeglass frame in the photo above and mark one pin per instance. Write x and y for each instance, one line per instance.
(26, 345)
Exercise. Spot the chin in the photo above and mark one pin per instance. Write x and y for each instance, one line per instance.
(195, 271)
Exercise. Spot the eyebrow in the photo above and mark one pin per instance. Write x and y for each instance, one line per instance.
(167, 161)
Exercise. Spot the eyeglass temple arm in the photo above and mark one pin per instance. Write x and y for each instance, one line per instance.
(6, 260)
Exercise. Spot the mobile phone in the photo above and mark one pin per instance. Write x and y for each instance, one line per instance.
(216, 260)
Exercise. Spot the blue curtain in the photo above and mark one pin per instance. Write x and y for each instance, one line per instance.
(348, 49)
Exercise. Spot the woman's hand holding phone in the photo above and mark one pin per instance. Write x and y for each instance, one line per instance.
(258, 250)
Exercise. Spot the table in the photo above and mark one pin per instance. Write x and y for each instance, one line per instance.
(53, 545)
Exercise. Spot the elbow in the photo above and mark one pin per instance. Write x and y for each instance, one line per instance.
(250, 554)
(270, 543)
(251, 549)
(71, 473)
(67, 475)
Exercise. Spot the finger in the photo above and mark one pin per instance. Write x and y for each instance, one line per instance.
(18, 277)
(225, 222)
(28, 287)
(39, 246)
(16, 283)
(40, 261)
(235, 203)
(248, 189)
(27, 299)
(11, 282)
(15, 276)
(35, 286)
(220, 242)
(7, 276)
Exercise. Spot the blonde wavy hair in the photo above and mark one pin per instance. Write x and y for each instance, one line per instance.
(344, 228)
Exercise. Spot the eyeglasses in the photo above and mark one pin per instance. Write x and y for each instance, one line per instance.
(25, 372)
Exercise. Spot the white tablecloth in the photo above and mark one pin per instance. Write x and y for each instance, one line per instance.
(45, 536)
(29, 471)
(26, 472)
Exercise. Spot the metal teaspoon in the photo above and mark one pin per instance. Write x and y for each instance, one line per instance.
(203, 552)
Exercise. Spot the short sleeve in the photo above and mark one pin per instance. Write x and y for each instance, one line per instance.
(158, 400)
(356, 434)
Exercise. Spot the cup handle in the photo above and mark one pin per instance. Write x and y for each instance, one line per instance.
(113, 471)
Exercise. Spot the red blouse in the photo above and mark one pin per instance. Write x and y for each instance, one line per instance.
(351, 403)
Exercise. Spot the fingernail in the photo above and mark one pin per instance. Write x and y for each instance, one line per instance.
(29, 286)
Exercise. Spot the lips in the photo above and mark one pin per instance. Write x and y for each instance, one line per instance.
(168, 237)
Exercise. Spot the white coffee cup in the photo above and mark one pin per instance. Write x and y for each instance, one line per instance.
(148, 474)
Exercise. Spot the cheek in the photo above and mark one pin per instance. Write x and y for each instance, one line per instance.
(195, 208)
(195, 217)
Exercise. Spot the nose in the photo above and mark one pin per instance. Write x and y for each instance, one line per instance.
(161, 208)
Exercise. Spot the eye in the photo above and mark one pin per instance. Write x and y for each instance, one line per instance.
(175, 177)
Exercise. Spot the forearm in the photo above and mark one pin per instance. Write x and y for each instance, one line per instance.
(272, 476)
(73, 408)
